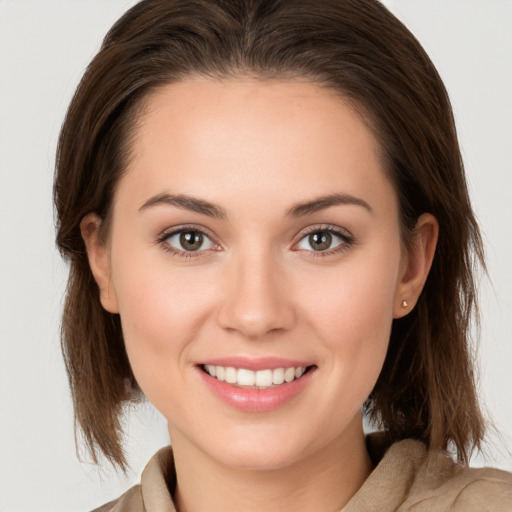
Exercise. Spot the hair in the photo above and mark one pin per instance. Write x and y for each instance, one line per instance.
(357, 48)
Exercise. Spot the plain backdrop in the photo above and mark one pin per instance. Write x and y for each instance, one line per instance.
(44, 48)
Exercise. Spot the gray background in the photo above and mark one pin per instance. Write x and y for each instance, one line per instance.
(44, 48)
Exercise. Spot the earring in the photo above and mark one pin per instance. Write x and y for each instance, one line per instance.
(405, 304)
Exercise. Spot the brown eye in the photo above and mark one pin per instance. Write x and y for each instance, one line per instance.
(320, 240)
(188, 240)
(324, 240)
(191, 240)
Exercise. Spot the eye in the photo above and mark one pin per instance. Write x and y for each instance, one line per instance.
(187, 240)
(324, 240)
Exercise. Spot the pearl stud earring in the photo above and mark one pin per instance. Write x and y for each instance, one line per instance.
(405, 304)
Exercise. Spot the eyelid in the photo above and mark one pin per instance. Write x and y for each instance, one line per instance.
(325, 227)
(331, 228)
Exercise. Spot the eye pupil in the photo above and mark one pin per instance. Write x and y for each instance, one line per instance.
(191, 240)
(320, 240)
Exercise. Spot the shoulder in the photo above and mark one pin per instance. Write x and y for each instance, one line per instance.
(410, 478)
(153, 493)
(130, 501)
(442, 484)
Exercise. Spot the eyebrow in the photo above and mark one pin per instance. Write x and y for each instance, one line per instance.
(323, 202)
(187, 203)
(211, 210)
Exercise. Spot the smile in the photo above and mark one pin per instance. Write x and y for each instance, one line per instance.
(257, 385)
(260, 379)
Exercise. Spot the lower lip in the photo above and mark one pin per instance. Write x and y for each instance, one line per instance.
(256, 400)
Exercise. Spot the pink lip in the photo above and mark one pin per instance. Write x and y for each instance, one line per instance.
(256, 400)
(255, 364)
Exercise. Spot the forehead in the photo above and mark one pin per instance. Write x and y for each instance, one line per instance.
(213, 137)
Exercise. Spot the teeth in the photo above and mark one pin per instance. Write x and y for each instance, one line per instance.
(264, 378)
(231, 375)
(278, 376)
(260, 379)
(220, 372)
(289, 374)
(245, 377)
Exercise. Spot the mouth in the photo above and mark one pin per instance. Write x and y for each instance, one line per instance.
(259, 379)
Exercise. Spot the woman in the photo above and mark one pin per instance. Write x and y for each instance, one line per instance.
(266, 216)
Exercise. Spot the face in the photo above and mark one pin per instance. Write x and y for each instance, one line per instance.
(255, 259)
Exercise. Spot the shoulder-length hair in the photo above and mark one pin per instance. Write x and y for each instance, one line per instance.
(360, 50)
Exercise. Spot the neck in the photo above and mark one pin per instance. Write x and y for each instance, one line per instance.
(323, 481)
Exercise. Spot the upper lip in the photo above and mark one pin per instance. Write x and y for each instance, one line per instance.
(255, 363)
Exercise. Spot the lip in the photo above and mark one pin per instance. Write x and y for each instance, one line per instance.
(256, 400)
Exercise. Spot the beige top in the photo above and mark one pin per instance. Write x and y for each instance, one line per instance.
(402, 481)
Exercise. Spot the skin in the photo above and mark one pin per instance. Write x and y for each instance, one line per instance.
(256, 149)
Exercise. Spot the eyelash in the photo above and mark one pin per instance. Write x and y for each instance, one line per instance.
(347, 241)
(176, 252)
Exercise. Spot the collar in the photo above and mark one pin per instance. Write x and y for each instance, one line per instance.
(385, 489)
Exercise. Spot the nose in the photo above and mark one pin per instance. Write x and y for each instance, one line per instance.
(257, 301)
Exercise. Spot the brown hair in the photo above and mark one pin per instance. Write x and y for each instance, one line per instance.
(358, 48)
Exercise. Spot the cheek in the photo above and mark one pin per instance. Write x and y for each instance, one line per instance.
(162, 310)
(157, 309)
(357, 297)
(352, 314)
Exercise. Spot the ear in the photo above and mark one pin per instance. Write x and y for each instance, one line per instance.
(416, 264)
(99, 260)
